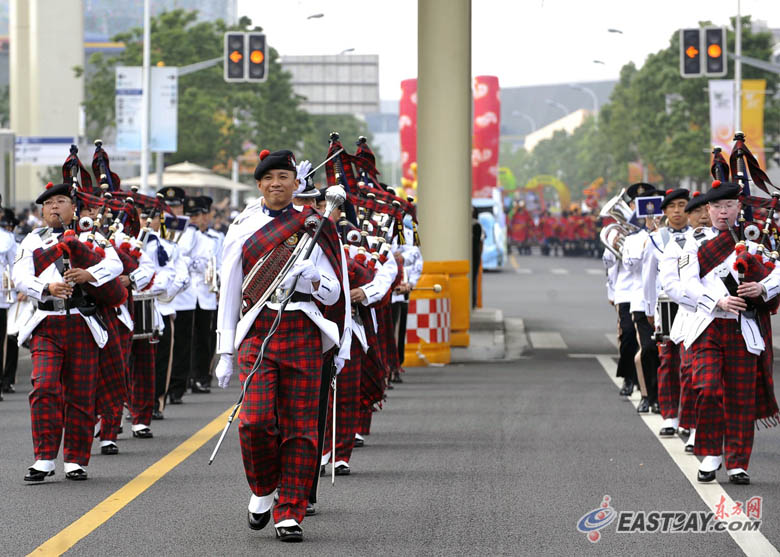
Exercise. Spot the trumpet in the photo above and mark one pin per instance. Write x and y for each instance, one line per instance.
(614, 234)
(211, 276)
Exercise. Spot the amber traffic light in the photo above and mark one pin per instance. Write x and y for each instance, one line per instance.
(257, 67)
(690, 52)
(235, 63)
(715, 47)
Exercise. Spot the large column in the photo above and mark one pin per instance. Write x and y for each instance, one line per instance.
(444, 119)
(46, 42)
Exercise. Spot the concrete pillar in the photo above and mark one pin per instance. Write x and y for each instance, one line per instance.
(46, 42)
(444, 107)
(444, 120)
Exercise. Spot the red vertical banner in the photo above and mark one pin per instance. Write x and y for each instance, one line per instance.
(485, 146)
(407, 126)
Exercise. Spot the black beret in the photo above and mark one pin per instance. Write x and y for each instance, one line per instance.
(172, 195)
(697, 200)
(722, 190)
(52, 190)
(640, 189)
(671, 195)
(278, 160)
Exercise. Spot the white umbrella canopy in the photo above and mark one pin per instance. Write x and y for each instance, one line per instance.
(189, 175)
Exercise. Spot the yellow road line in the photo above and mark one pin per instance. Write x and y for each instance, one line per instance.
(70, 536)
(513, 261)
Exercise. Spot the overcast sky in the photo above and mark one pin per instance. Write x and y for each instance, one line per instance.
(523, 42)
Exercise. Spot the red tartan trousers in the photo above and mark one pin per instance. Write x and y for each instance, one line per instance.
(278, 417)
(64, 376)
(669, 379)
(141, 381)
(347, 406)
(687, 396)
(111, 385)
(724, 381)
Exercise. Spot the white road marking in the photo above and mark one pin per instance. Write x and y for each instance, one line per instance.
(612, 338)
(600, 272)
(523, 271)
(543, 340)
(752, 543)
(559, 271)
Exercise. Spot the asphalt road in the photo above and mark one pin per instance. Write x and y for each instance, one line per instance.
(478, 459)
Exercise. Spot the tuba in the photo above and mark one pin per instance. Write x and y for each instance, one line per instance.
(613, 235)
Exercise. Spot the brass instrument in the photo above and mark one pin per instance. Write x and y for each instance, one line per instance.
(211, 276)
(614, 234)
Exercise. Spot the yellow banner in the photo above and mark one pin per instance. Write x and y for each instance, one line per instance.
(753, 117)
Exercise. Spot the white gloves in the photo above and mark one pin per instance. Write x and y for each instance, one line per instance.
(224, 369)
(339, 363)
(305, 269)
(198, 264)
(304, 167)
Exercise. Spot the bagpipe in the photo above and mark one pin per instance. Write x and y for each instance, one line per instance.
(372, 209)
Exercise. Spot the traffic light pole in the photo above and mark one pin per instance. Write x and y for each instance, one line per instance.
(738, 71)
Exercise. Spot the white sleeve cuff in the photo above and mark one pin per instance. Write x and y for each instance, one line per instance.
(225, 341)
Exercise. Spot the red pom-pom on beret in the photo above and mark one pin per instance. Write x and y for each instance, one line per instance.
(49, 185)
(696, 194)
(264, 153)
(715, 183)
(670, 190)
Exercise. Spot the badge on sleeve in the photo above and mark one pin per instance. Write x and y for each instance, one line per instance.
(683, 261)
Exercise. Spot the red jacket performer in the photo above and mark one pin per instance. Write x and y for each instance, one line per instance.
(64, 335)
(278, 417)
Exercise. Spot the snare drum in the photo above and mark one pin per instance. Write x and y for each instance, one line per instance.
(665, 311)
(144, 317)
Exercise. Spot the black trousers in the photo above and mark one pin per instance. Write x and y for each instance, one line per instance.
(649, 357)
(400, 311)
(627, 343)
(182, 352)
(161, 358)
(203, 344)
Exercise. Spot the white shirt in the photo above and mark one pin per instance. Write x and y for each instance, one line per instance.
(628, 284)
(7, 257)
(231, 327)
(206, 247)
(658, 242)
(31, 285)
(187, 299)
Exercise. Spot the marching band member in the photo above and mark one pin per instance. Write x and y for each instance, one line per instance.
(726, 340)
(64, 339)
(8, 299)
(633, 253)
(204, 260)
(413, 266)
(184, 305)
(673, 207)
(278, 417)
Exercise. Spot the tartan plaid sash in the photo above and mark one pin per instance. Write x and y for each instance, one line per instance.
(713, 252)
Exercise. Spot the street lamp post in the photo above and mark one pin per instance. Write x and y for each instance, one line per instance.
(527, 117)
(556, 104)
(593, 96)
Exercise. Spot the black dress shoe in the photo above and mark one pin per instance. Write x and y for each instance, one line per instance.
(654, 408)
(644, 406)
(109, 450)
(157, 415)
(78, 475)
(175, 399)
(258, 521)
(705, 477)
(666, 431)
(34, 475)
(740, 479)
(359, 442)
(689, 449)
(342, 470)
(323, 471)
(310, 510)
(200, 388)
(289, 533)
(144, 433)
(628, 388)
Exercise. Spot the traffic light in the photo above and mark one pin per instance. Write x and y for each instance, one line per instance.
(715, 52)
(235, 57)
(690, 53)
(257, 66)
